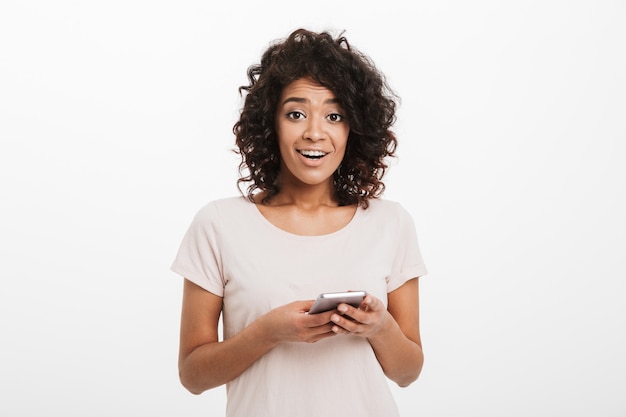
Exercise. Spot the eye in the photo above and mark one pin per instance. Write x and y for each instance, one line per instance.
(335, 117)
(295, 115)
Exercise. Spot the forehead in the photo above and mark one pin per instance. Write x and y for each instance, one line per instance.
(306, 88)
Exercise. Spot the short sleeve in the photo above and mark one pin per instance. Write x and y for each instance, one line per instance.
(408, 262)
(199, 258)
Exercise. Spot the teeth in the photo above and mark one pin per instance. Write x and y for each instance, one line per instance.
(314, 154)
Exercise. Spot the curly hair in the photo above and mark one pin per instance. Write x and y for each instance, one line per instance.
(360, 89)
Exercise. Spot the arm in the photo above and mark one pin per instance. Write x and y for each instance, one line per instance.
(205, 363)
(393, 333)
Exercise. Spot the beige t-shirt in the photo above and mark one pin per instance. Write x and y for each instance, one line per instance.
(233, 251)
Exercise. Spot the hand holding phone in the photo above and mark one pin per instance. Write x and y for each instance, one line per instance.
(330, 300)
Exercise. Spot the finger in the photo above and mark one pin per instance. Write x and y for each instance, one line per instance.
(371, 303)
(339, 330)
(346, 324)
(321, 332)
(321, 336)
(326, 328)
(304, 305)
(354, 313)
(315, 320)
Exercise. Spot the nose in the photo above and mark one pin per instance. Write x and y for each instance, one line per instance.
(314, 130)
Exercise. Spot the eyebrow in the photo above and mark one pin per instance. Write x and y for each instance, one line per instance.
(304, 100)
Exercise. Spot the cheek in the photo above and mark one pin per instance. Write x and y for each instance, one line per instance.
(343, 143)
(341, 137)
(286, 134)
(282, 137)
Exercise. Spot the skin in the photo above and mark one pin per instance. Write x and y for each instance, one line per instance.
(308, 118)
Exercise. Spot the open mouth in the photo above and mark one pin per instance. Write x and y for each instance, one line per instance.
(312, 154)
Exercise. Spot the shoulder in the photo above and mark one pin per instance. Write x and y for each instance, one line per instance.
(223, 206)
(379, 206)
(389, 213)
(217, 211)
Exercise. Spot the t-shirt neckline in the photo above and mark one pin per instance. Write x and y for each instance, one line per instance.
(355, 218)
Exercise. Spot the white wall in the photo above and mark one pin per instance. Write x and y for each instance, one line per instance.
(115, 127)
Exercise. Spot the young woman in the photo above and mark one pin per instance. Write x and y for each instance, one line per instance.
(313, 135)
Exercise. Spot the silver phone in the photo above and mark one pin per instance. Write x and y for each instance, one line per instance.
(330, 300)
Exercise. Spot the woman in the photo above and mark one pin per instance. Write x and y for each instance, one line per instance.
(313, 136)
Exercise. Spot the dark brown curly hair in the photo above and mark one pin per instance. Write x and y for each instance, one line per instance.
(360, 89)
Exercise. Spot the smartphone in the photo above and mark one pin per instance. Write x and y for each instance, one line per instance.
(330, 300)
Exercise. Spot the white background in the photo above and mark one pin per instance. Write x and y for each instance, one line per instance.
(115, 127)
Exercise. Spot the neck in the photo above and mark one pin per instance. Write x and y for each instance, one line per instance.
(305, 196)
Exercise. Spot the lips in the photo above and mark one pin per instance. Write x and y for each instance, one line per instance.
(312, 154)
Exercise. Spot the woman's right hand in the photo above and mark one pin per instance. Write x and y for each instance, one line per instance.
(292, 323)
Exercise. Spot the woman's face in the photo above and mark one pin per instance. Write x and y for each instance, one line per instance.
(312, 131)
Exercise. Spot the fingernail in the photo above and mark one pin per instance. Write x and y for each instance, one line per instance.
(342, 308)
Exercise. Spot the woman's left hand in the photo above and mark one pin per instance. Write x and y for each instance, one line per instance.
(365, 321)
